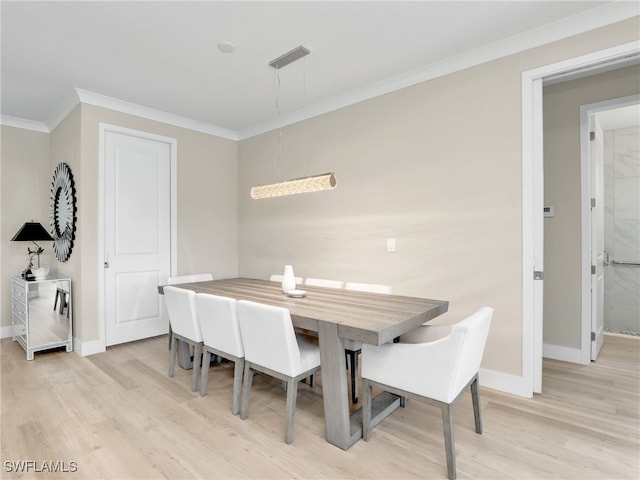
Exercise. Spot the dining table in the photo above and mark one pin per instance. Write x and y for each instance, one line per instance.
(334, 315)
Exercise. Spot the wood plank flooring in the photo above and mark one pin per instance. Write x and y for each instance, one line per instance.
(118, 415)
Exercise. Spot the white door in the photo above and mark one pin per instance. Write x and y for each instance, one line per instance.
(596, 157)
(137, 235)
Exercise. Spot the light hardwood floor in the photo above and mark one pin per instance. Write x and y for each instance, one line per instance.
(118, 415)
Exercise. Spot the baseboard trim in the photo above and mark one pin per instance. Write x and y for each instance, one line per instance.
(81, 348)
(88, 348)
(505, 382)
(621, 335)
(6, 331)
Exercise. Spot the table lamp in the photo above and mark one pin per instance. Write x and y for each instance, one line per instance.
(32, 232)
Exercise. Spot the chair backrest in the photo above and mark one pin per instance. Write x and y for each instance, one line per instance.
(321, 282)
(181, 306)
(368, 287)
(437, 360)
(475, 330)
(268, 337)
(278, 278)
(218, 317)
(194, 277)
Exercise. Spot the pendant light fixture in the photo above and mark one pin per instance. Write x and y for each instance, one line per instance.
(326, 181)
(315, 183)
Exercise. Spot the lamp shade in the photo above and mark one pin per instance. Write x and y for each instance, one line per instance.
(31, 231)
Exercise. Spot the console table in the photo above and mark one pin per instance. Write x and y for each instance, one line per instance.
(42, 313)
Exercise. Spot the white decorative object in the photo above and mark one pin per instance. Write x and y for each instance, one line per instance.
(296, 293)
(288, 279)
(40, 273)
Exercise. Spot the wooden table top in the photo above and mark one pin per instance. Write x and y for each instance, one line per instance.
(367, 317)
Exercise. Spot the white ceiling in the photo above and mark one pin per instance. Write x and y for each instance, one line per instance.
(164, 56)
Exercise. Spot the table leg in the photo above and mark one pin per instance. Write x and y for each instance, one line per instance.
(343, 429)
(338, 428)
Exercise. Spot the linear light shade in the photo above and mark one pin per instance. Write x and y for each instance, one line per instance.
(326, 181)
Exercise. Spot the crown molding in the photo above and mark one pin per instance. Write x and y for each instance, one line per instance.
(596, 18)
(24, 124)
(151, 114)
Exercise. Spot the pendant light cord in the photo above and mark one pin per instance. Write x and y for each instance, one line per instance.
(304, 106)
(278, 156)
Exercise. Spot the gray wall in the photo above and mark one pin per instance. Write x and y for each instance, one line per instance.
(24, 196)
(437, 166)
(207, 202)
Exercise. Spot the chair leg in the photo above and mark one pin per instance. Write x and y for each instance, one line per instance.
(354, 377)
(246, 390)
(172, 355)
(197, 360)
(352, 366)
(312, 381)
(366, 409)
(63, 302)
(204, 378)
(292, 393)
(237, 386)
(449, 440)
(475, 398)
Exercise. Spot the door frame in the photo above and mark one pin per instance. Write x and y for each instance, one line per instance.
(585, 175)
(173, 143)
(533, 197)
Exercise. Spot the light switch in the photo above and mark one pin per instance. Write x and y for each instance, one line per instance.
(391, 244)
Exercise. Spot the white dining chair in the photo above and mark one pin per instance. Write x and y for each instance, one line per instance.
(190, 278)
(352, 348)
(433, 364)
(181, 306)
(218, 317)
(278, 278)
(321, 282)
(272, 347)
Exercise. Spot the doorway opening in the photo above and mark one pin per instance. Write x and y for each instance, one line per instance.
(533, 193)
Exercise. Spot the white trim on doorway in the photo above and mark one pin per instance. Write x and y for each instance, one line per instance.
(100, 345)
(532, 196)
